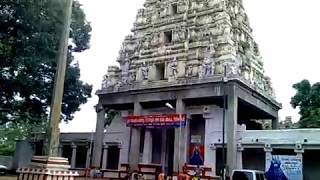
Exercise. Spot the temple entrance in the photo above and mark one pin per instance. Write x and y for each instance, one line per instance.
(163, 149)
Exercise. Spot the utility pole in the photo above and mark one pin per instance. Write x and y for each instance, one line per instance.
(55, 113)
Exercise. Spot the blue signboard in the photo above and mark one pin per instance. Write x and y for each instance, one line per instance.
(283, 167)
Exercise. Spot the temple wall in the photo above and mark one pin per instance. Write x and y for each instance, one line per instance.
(119, 134)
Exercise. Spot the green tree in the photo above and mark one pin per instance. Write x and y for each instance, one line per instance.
(307, 98)
(29, 38)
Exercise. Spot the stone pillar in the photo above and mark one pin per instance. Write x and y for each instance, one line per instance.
(147, 148)
(88, 158)
(60, 150)
(74, 155)
(135, 141)
(164, 149)
(105, 157)
(231, 122)
(180, 140)
(240, 149)
(99, 135)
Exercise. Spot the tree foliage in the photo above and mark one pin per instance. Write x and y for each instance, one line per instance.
(17, 131)
(29, 34)
(307, 98)
(30, 31)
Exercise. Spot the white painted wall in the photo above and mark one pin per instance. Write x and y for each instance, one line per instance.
(281, 137)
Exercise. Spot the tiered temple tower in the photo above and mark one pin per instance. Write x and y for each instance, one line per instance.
(177, 41)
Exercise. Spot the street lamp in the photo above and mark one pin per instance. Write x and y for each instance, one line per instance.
(179, 137)
(223, 122)
(170, 106)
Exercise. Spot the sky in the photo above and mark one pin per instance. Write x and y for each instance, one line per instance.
(287, 32)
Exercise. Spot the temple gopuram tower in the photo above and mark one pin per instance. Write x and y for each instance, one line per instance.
(199, 57)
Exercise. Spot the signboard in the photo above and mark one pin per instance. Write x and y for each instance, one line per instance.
(196, 139)
(154, 121)
(284, 167)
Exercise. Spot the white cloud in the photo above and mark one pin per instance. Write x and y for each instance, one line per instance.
(287, 33)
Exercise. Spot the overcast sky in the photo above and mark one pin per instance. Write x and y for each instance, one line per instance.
(287, 31)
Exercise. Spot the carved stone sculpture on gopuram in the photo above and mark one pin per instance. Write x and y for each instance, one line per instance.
(176, 41)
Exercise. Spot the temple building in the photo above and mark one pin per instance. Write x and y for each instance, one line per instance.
(187, 67)
(190, 88)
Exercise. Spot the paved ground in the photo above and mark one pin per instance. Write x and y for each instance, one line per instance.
(8, 178)
(15, 178)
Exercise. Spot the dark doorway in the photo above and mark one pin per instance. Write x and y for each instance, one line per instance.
(67, 152)
(81, 157)
(311, 164)
(170, 150)
(113, 157)
(157, 145)
(38, 148)
(219, 160)
(254, 158)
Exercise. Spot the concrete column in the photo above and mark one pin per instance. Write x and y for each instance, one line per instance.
(147, 148)
(88, 156)
(135, 141)
(105, 157)
(210, 149)
(124, 150)
(180, 140)
(299, 153)
(121, 148)
(268, 151)
(240, 149)
(60, 150)
(74, 155)
(99, 135)
(213, 158)
(231, 122)
(275, 123)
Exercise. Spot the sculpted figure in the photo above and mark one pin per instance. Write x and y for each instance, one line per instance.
(126, 64)
(173, 67)
(106, 82)
(132, 77)
(145, 71)
(138, 47)
(207, 67)
(155, 39)
(189, 71)
(232, 69)
(146, 42)
(175, 37)
(117, 86)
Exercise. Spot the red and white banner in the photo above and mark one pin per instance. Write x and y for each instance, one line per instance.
(171, 120)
